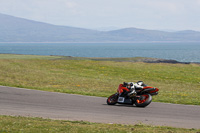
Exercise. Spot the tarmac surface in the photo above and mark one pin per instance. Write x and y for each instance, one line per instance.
(34, 103)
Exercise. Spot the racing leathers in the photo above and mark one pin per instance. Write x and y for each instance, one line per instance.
(132, 87)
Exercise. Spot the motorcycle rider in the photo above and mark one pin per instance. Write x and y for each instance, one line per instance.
(132, 87)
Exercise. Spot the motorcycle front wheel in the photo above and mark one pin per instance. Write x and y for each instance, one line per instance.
(144, 100)
(112, 100)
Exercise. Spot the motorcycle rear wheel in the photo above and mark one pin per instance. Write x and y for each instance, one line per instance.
(144, 101)
(112, 100)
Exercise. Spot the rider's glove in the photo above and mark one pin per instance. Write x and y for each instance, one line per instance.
(125, 84)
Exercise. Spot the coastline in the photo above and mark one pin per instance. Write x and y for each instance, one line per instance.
(119, 59)
(180, 52)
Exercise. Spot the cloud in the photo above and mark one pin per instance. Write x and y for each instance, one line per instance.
(36, 5)
(70, 4)
(163, 6)
(198, 2)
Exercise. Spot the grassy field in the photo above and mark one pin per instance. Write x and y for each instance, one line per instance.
(178, 83)
(34, 125)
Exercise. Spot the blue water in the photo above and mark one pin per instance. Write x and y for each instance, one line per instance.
(184, 52)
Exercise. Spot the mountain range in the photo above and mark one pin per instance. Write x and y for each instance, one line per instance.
(14, 29)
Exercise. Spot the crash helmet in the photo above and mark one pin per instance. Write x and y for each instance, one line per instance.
(130, 84)
(141, 83)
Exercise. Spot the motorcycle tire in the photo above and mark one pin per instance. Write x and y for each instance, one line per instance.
(146, 100)
(112, 100)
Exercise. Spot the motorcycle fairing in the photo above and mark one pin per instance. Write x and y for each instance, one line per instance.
(121, 89)
(153, 91)
(124, 100)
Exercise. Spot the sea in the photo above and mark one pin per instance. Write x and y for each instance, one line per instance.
(182, 52)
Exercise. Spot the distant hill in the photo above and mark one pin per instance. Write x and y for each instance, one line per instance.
(14, 29)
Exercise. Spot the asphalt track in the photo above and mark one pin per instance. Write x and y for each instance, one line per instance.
(34, 103)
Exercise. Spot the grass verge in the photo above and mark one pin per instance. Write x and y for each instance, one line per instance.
(178, 83)
(33, 125)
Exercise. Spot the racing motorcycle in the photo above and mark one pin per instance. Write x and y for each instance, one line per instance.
(141, 98)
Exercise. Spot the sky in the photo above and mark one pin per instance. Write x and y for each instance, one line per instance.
(94, 14)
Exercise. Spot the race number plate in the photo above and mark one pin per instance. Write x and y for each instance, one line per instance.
(121, 99)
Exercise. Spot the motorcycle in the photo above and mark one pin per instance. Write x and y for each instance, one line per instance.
(141, 97)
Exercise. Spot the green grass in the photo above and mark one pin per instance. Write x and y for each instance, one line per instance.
(33, 125)
(178, 83)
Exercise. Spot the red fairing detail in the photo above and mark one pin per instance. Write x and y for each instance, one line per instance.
(151, 87)
(146, 87)
(154, 91)
(121, 88)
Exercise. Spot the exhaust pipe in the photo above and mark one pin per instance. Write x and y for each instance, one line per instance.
(149, 89)
(155, 93)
